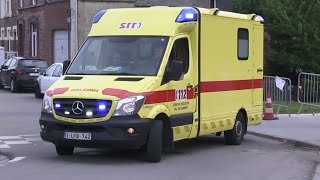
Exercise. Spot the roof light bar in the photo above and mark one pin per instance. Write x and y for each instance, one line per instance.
(98, 16)
(187, 15)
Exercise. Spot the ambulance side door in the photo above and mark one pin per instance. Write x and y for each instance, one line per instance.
(257, 35)
(183, 104)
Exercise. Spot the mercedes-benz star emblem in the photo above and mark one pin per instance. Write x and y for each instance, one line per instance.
(77, 107)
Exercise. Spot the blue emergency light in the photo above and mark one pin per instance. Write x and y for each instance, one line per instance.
(102, 106)
(98, 16)
(57, 105)
(187, 15)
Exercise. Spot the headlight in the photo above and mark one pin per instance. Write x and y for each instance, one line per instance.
(129, 106)
(46, 104)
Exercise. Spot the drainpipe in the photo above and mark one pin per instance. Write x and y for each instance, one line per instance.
(212, 3)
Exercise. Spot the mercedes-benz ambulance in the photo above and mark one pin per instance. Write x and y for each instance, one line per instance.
(148, 77)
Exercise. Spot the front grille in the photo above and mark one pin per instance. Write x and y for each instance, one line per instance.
(81, 108)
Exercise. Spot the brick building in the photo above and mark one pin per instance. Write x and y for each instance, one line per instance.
(36, 28)
(8, 25)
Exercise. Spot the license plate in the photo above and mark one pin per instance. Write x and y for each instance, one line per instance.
(77, 136)
(34, 74)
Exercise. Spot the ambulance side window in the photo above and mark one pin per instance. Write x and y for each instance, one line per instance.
(243, 44)
(180, 52)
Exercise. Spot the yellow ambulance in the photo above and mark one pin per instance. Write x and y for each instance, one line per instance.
(148, 77)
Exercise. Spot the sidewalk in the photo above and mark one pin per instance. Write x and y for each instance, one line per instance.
(303, 129)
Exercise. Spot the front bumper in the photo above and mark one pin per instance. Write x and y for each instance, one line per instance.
(110, 134)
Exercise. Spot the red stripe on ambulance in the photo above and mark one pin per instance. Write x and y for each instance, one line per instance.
(171, 95)
(217, 86)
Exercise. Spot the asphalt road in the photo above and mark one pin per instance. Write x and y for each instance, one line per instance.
(201, 159)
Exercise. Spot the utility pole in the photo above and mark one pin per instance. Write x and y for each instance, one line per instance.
(74, 28)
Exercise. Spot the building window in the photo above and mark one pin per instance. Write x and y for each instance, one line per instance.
(21, 3)
(243, 44)
(7, 8)
(34, 41)
(3, 37)
(9, 38)
(34, 2)
(14, 38)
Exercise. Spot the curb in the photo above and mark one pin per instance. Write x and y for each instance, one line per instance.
(291, 141)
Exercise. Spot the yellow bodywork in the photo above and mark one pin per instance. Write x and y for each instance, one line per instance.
(213, 40)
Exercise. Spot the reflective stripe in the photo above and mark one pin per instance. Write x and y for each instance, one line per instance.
(269, 110)
(269, 100)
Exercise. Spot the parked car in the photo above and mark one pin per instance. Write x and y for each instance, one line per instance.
(46, 79)
(19, 72)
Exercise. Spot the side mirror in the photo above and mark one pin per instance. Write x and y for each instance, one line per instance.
(4, 67)
(65, 66)
(175, 70)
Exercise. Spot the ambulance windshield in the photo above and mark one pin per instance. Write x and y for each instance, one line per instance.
(125, 55)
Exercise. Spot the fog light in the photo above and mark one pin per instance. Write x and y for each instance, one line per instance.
(89, 113)
(67, 112)
(42, 127)
(130, 130)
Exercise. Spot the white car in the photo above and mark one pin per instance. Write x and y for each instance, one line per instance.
(45, 80)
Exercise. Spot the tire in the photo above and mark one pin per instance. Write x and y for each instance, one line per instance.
(37, 92)
(236, 134)
(13, 86)
(154, 142)
(1, 85)
(64, 151)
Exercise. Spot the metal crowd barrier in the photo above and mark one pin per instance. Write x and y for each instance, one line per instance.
(309, 90)
(280, 98)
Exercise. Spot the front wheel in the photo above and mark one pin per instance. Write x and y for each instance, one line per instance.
(154, 142)
(13, 86)
(236, 134)
(64, 151)
(1, 85)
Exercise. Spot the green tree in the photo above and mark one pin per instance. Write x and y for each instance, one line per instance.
(293, 28)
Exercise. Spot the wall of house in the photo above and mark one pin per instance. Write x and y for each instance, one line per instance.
(48, 18)
(83, 12)
(87, 10)
(8, 26)
(56, 18)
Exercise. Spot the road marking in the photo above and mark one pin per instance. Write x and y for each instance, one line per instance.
(16, 159)
(6, 141)
(4, 146)
(16, 142)
(29, 135)
(9, 137)
(33, 139)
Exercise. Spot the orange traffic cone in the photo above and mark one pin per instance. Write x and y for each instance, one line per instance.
(268, 114)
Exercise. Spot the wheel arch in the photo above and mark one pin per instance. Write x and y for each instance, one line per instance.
(245, 115)
(167, 132)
